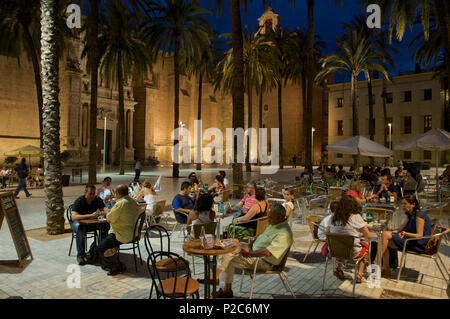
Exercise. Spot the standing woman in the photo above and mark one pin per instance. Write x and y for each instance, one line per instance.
(22, 173)
(418, 224)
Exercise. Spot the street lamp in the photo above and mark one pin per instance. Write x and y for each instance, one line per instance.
(104, 140)
(390, 135)
(312, 143)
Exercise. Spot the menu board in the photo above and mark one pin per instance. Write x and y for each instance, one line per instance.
(10, 212)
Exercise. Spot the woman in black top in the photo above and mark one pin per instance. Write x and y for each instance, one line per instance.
(259, 209)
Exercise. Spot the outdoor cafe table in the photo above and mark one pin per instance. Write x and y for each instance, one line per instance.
(99, 224)
(194, 247)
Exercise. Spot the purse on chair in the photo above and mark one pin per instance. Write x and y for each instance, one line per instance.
(432, 243)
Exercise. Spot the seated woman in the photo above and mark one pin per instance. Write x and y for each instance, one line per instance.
(288, 195)
(259, 209)
(409, 182)
(356, 191)
(202, 212)
(418, 224)
(106, 192)
(347, 220)
(217, 188)
(147, 194)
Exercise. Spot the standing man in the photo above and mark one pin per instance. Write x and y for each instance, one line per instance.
(137, 170)
(22, 173)
(88, 206)
(122, 219)
(294, 161)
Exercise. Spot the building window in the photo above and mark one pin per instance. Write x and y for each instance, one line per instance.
(269, 25)
(389, 98)
(407, 155)
(427, 155)
(427, 123)
(407, 125)
(340, 102)
(340, 127)
(428, 94)
(84, 125)
(408, 96)
(339, 155)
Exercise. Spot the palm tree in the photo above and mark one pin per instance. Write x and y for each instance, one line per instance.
(123, 52)
(355, 55)
(307, 111)
(258, 69)
(181, 28)
(20, 31)
(283, 40)
(203, 67)
(51, 140)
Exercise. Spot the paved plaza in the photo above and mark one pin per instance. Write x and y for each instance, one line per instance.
(46, 275)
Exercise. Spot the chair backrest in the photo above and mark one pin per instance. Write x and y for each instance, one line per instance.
(340, 246)
(226, 195)
(69, 213)
(443, 231)
(313, 218)
(180, 265)
(282, 264)
(261, 225)
(138, 227)
(142, 207)
(161, 233)
(158, 209)
(210, 228)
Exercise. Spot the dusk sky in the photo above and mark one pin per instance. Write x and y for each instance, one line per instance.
(328, 19)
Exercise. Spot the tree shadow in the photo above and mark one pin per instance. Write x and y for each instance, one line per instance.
(311, 259)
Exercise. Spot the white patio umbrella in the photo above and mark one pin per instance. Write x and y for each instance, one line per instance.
(434, 140)
(359, 145)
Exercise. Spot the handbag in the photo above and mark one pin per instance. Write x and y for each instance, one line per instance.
(432, 244)
(324, 251)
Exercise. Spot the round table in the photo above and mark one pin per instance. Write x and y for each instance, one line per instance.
(194, 247)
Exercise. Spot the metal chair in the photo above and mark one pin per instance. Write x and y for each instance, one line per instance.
(74, 234)
(341, 247)
(261, 225)
(136, 239)
(158, 210)
(435, 256)
(172, 287)
(277, 270)
(313, 221)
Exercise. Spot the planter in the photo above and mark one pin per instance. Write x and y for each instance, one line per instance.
(65, 179)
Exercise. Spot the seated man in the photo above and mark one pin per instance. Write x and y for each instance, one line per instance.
(272, 245)
(122, 218)
(386, 188)
(182, 203)
(87, 206)
(248, 201)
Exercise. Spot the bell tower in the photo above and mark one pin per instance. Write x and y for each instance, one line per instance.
(269, 20)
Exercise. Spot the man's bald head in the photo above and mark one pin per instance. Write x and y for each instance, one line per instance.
(122, 190)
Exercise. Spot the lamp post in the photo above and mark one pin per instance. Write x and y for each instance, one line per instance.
(312, 144)
(104, 144)
(390, 135)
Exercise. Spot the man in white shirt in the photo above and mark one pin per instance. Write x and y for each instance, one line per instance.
(137, 170)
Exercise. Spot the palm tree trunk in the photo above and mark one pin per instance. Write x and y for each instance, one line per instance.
(248, 165)
(383, 97)
(37, 80)
(176, 105)
(355, 116)
(121, 112)
(280, 122)
(304, 108)
(371, 118)
(307, 112)
(442, 10)
(238, 85)
(93, 46)
(54, 204)
(260, 115)
(199, 111)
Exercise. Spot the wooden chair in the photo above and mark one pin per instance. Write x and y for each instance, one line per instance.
(434, 256)
(313, 221)
(158, 211)
(341, 247)
(226, 195)
(261, 225)
(172, 287)
(135, 241)
(278, 270)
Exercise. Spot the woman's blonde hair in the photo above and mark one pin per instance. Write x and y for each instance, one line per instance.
(146, 183)
(358, 186)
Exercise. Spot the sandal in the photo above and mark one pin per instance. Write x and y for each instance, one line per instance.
(339, 273)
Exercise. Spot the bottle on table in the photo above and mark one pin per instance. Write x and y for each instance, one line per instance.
(308, 190)
(369, 216)
(222, 208)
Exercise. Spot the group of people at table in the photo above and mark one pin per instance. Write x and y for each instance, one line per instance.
(271, 245)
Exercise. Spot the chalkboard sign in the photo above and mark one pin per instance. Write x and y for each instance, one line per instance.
(10, 212)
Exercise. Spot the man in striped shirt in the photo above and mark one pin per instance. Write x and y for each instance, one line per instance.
(248, 201)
